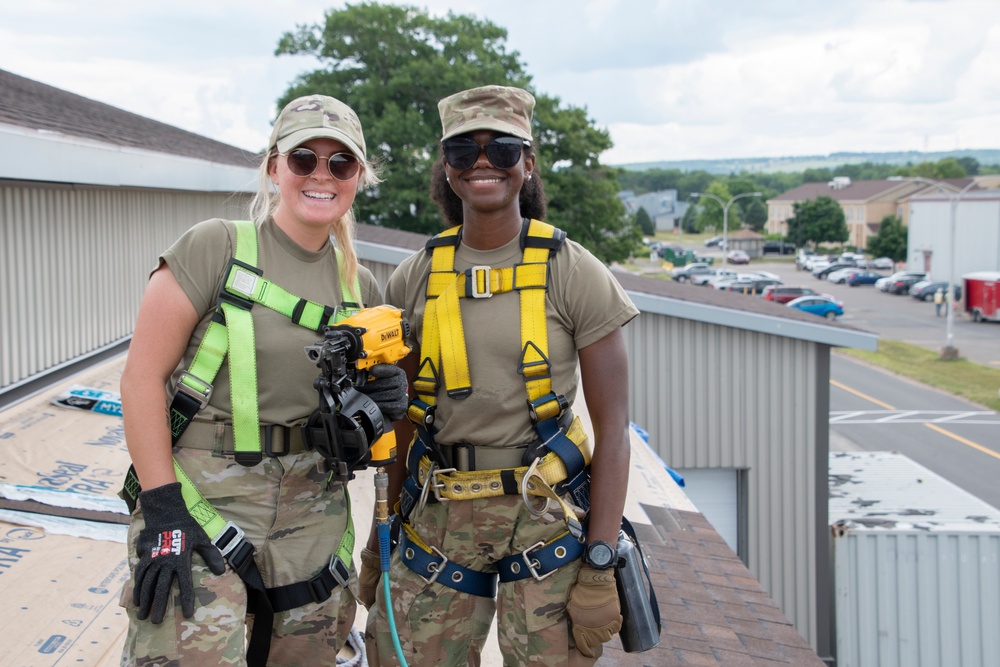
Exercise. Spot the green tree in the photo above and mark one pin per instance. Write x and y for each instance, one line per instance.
(819, 220)
(756, 214)
(393, 63)
(689, 223)
(644, 222)
(970, 165)
(890, 241)
(711, 213)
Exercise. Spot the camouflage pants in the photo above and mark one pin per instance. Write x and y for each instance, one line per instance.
(296, 525)
(439, 625)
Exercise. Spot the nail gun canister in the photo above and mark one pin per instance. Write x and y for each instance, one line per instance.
(640, 630)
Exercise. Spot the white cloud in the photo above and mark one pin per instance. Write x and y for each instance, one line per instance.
(670, 79)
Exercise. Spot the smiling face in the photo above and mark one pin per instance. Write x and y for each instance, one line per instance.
(485, 189)
(310, 205)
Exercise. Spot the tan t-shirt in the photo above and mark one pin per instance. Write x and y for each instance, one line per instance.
(284, 373)
(584, 303)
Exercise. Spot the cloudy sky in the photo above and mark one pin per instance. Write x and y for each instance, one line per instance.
(670, 79)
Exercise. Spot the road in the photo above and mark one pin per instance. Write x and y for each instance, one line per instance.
(873, 410)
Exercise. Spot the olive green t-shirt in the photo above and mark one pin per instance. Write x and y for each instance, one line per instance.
(284, 373)
(583, 304)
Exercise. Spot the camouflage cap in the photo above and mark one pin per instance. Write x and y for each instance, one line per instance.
(315, 116)
(500, 108)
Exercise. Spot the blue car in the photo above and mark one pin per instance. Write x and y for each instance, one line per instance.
(818, 305)
(863, 278)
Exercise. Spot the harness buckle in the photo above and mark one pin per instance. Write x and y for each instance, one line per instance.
(436, 568)
(228, 539)
(525, 484)
(533, 564)
(475, 274)
(436, 486)
(187, 390)
(341, 573)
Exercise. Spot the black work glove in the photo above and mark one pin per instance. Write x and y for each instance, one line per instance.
(387, 387)
(164, 547)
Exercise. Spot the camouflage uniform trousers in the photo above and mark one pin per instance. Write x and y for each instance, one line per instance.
(439, 625)
(296, 525)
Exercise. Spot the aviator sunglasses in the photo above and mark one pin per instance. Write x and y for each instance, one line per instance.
(303, 162)
(502, 152)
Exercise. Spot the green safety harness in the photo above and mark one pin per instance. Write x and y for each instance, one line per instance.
(231, 333)
(561, 459)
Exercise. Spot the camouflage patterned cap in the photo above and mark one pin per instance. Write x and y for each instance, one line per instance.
(500, 108)
(315, 116)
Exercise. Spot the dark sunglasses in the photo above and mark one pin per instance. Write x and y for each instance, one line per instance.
(303, 162)
(502, 152)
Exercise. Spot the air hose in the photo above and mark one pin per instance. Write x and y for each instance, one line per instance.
(384, 551)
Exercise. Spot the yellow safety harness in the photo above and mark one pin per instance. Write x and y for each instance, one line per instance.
(567, 454)
(231, 333)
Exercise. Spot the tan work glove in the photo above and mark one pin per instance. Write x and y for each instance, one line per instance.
(593, 609)
(371, 572)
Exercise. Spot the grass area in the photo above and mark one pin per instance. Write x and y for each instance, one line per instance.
(975, 382)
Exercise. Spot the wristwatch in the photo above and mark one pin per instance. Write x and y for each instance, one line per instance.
(600, 555)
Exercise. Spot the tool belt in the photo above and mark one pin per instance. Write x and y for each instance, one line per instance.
(278, 440)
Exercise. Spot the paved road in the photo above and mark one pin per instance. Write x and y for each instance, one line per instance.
(873, 410)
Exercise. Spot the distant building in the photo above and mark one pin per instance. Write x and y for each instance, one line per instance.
(662, 207)
(976, 237)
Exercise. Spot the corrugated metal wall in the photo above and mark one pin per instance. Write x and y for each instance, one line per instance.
(914, 598)
(717, 396)
(73, 265)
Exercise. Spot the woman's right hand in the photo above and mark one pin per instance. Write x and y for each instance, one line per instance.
(368, 577)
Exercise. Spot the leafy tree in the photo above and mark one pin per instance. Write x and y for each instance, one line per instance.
(644, 222)
(393, 63)
(689, 223)
(890, 241)
(756, 214)
(711, 214)
(819, 220)
(970, 165)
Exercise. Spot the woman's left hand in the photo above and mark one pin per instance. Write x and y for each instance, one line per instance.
(594, 609)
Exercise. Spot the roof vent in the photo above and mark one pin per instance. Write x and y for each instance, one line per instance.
(839, 182)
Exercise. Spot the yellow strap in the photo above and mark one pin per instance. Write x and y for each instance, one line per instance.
(443, 343)
(488, 484)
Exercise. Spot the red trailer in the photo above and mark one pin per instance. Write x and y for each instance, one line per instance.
(982, 295)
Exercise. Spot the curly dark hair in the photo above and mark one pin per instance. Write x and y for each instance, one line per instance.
(532, 196)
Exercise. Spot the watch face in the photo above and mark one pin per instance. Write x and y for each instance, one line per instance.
(600, 555)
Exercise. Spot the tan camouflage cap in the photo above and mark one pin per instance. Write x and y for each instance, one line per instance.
(315, 116)
(499, 108)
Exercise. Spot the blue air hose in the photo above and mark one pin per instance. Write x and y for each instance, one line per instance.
(383, 553)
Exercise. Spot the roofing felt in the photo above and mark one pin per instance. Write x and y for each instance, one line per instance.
(37, 106)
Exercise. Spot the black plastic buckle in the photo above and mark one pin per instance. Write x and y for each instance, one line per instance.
(268, 431)
(234, 299)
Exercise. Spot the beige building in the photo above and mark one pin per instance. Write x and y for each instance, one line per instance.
(865, 203)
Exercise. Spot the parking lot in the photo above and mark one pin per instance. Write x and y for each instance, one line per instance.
(894, 317)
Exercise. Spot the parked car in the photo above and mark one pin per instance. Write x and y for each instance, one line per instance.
(786, 293)
(818, 305)
(767, 274)
(812, 262)
(925, 289)
(779, 247)
(801, 257)
(683, 273)
(738, 257)
(902, 284)
(896, 281)
(705, 279)
(840, 276)
(822, 272)
(883, 263)
(713, 241)
(863, 278)
(751, 286)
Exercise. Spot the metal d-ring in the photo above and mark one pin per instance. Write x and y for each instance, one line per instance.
(532, 472)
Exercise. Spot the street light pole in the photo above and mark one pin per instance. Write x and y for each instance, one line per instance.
(725, 216)
(949, 351)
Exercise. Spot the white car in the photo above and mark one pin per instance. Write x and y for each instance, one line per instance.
(704, 279)
(768, 275)
(839, 277)
(882, 263)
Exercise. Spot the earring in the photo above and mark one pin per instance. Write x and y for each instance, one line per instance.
(447, 179)
(529, 177)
